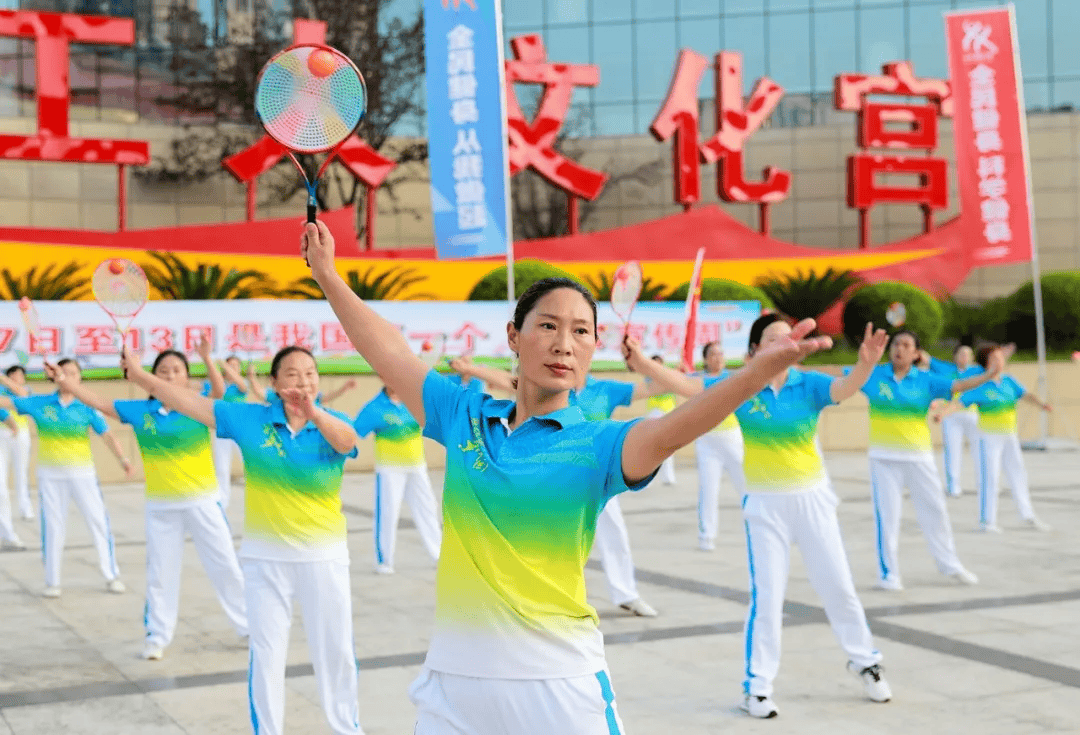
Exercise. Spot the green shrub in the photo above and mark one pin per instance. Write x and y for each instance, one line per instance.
(808, 295)
(721, 289)
(492, 287)
(869, 304)
(994, 321)
(962, 320)
(1061, 308)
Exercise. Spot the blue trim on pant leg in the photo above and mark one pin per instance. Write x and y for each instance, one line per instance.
(752, 615)
(378, 506)
(251, 696)
(982, 482)
(609, 699)
(41, 510)
(108, 532)
(222, 509)
(882, 566)
(146, 616)
(950, 481)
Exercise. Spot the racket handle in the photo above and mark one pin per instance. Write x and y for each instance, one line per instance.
(312, 210)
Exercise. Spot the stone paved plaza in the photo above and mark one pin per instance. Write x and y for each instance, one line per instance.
(997, 658)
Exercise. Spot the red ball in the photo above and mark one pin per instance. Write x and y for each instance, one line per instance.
(322, 63)
(116, 266)
(427, 346)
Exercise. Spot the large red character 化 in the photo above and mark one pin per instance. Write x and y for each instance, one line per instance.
(532, 145)
(736, 122)
(361, 160)
(919, 131)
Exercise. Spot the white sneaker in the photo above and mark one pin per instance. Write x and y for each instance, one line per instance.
(762, 707)
(705, 544)
(27, 516)
(989, 528)
(116, 586)
(890, 584)
(956, 494)
(14, 545)
(874, 684)
(51, 592)
(964, 577)
(152, 652)
(640, 608)
(384, 569)
(1037, 525)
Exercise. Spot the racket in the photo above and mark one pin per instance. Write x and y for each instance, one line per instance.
(625, 290)
(693, 298)
(32, 322)
(896, 314)
(310, 98)
(121, 289)
(432, 349)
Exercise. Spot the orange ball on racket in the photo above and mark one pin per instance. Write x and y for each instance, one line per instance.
(427, 346)
(322, 63)
(116, 266)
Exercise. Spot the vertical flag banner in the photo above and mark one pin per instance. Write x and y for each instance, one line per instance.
(466, 123)
(991, 133)
(693, 300)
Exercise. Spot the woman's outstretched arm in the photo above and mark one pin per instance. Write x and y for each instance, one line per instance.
(176, 397)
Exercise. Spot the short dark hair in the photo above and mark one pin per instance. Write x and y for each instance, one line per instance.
(707, 345)
(657, 358)
(908, 332)
(171, 353)
(757, 329)
(284, 352)
(982, 357)
(234, 357)
(68, 361)
(542, 288)
(15, 369)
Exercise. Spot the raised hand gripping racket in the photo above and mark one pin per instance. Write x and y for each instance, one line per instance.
(121, 289)
(310, 98)
(432, 349)
(625, 290)
(32, 322)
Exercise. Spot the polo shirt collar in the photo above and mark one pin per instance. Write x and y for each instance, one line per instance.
(502, 410)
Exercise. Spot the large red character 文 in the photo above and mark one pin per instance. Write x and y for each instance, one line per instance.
(904, 127)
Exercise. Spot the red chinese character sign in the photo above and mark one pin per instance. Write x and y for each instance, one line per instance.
(53, 33)
(736, 122)
(991, 155)
(904, 127)
(532, 144)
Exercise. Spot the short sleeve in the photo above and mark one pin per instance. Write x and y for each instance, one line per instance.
(972, 397)
(342, 417)
(231, 417)
(367, 420)
(27, 405)
(940, 387)
(620, 393)
(1017, 388)
(609, 443)
(97, 422)
(443, 404)
(4, 414)
(129, 412)
(819, 389)
(708, 381)
(941, 367)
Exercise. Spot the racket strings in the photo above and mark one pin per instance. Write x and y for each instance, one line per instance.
(121, 294)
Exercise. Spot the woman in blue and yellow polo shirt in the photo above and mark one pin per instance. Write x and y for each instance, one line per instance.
(294, 546)
(516, 647)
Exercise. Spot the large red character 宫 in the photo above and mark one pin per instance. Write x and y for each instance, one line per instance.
(532, 144)
(918, 131)
(735, 122)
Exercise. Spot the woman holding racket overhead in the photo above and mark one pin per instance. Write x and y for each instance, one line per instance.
(789, 500)
(516, 647)
(181, 498)
(294, 546)
(65, 467)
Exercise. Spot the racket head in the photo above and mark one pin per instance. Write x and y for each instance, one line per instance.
(30, 317)
(626, 288)
(432, 350)
(120, 287)
(896, 314)
(310, 98)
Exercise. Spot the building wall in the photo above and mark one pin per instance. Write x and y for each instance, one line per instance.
(84, 196)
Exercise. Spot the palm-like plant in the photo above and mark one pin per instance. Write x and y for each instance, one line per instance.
(372, 285)
(802, 295)
(173, 279)
(601, 283)
(64, 284)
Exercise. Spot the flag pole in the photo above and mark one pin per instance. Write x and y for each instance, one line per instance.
(510, 297)
(1036, 271)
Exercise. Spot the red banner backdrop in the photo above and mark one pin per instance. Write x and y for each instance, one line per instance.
(991, 139)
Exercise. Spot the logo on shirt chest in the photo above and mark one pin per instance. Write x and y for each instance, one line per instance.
(885, 391)
(272, 440)
(392, 419)
(758, 406)
(475, 444)
(149, 425)
(50, 413)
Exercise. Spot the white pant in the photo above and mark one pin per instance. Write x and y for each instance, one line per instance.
(775, 521)
(888, 478)
(15, 450)
(223, 459)
(717, 452)
(447, 704)
(392, 485)
(955, 428)
(612, 542)
(667, 467)
(54, 494)
(322, 589)
(7, 528)
(1000, 453)
(210, 533)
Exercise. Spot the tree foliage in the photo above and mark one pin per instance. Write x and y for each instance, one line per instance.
(370, 285)
(808, 295)
(601, 284)
(173, 279)
(52, 283)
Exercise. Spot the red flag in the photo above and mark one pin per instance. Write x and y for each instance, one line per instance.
(693, 298)
(991, 133)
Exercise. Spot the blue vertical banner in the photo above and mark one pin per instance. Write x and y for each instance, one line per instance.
(467, 137)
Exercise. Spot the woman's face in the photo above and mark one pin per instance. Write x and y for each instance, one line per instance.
(18, 377)
(903, 353)
(556, 342)
(714, 358)
(964, 358)
(297, 370)
(172, 370)
(234, 363)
